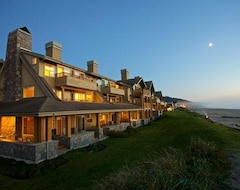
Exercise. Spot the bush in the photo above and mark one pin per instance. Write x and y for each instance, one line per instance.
(123, 134)
(21, 170)
(96, 147)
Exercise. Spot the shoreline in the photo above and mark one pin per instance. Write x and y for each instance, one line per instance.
(226, 117)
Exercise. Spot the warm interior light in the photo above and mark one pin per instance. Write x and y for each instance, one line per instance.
(49, 71)
(28, 92)
(7, 128)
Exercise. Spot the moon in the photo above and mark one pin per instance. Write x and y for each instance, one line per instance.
(210, 44)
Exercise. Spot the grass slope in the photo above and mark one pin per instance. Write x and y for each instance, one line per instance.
(175, 129)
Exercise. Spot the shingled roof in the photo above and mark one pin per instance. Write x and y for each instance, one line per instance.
(133, 81)
(45, 106)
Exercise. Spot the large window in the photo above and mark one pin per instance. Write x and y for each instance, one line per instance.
(49, 70)
(28, 125)
(82, 96)
(79, 96)
(28, 92)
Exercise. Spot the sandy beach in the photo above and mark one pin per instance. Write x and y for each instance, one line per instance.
(227, 117)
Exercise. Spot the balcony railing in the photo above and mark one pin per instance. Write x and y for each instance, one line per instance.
(137, 93)
(67, 79)
(111, 90)
(146, 92)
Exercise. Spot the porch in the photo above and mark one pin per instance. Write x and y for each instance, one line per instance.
(34, 153)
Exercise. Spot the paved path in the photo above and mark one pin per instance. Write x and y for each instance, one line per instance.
(234, 180)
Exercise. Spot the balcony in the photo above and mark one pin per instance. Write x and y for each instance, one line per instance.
(66, 79)
(111, 90)
(137, 93)
(146, 92)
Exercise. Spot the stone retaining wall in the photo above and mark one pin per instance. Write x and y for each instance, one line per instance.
(82, 139)
(30, 153)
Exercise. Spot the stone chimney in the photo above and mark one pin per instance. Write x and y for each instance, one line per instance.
(54, 50)
(1, 64)
(92, 66)
(12, 81)
(125, 74)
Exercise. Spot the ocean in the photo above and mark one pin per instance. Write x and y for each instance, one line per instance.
(227, 117)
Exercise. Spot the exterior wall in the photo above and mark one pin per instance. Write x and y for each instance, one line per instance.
(50, 81)
(41, 68)
(1, 84)
(128, 93)
(90, 122)
(27, 80)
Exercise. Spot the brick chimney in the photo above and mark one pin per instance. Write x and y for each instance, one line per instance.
(54, 50)
(92, 66)
(125, 74)
(12, 81)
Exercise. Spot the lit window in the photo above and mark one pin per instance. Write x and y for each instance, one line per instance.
(79, 97)
(60, 71)
(49, 71)
(28, 92)
(28, 125)
(89, 97)
(59, 94)
(34, 60)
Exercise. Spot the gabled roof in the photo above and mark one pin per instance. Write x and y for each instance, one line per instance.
(150, 86)
(158, 94)
(53, 61)
(133, 81)
(45, 106)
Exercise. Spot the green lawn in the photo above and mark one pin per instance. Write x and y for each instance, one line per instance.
(175, 129)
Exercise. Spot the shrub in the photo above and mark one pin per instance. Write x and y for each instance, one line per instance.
(123, 134)
(96, 147)
(21, 170)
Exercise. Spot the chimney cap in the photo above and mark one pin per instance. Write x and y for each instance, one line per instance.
(92, 62)
(22, 30)
(53, 44)
(124, 70)
(25, 29)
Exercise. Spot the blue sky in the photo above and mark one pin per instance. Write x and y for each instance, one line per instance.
(165, 41)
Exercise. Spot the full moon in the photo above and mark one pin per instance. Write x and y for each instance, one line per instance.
(210, 44)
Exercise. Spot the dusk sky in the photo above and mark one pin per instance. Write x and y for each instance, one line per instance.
(190, 49)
